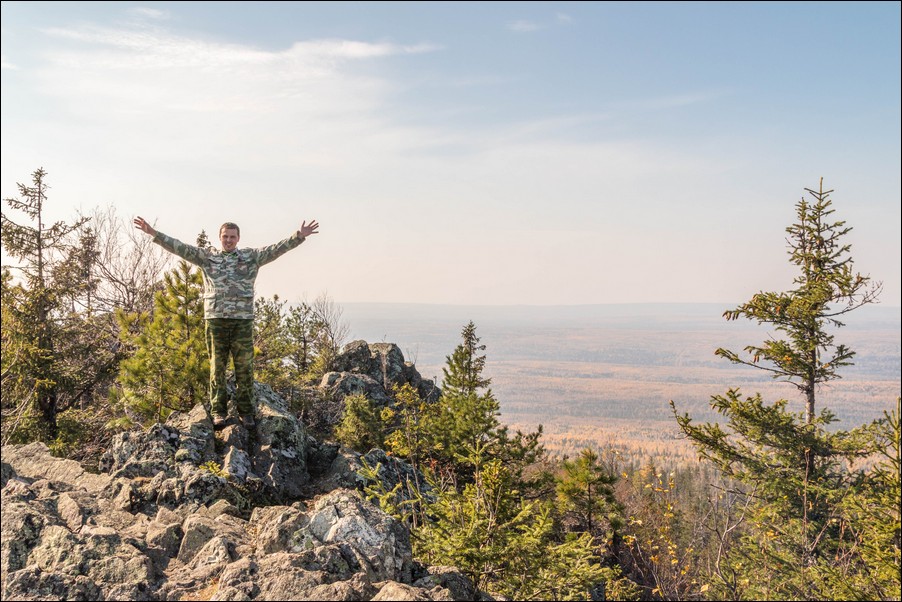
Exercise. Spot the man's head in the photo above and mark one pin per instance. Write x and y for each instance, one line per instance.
(229, 235)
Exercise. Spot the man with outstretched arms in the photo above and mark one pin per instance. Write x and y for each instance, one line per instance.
(229, 277)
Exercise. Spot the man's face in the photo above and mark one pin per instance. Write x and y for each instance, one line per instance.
(229, 239)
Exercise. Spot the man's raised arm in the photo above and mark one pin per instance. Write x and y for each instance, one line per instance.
(189, 253)
(271, 252)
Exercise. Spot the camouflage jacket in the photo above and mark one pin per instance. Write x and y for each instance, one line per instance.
(228, 277)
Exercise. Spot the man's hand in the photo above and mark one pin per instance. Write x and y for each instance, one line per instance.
(308, 229)
(142, 225)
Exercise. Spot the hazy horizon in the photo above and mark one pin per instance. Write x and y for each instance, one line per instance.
(433, 331)
(601, 374)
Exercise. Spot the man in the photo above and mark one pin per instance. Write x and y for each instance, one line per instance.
(229, 278)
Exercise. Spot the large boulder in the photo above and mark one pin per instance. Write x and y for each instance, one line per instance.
(384, 364)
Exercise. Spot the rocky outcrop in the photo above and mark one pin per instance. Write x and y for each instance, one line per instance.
(182, 512)
(76, 536)
(373, 369)
(186, 463)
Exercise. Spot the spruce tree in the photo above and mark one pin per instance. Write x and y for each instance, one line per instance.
(467, 412)
(466, 418)
(463, 371)
(504, 544)
(794, 471)
(827, 288)
(872, 570)
(36, 376)
(408, 422)
(360, 427)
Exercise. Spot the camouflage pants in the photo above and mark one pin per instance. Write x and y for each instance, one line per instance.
(231, 337)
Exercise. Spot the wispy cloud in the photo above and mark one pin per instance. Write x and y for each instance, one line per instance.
(523, 26)
(677, 100)
(563, 18)
(6, 64)
(232, 106)
(154, 46)
(150, 13)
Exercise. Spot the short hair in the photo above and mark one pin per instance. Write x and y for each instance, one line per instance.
(230, 226)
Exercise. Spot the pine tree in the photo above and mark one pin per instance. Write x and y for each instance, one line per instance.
(170, 366)
(585, 492)
(504, 544)
(301, 327)
(270, 343)
(87, 344)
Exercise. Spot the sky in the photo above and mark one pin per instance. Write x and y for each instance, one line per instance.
(482, 153)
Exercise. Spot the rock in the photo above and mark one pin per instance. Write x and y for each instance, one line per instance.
(141, 454)
(33, 461)
(383, 365)
(198, 531)
(280, 460)
(392, 590)
(23, 523)
(459, 587)
(34, 584)
(237, 465)
(69, 510)
(280, 529)
(212, 558)
(163, 541)
(218, 508)
(181, 512)
(343, 473)
(379, 542)
(357, 587)
(338, 385)
(279, 576)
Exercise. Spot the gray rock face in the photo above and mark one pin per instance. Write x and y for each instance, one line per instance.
(181, 512)
(378, 366)
(177, 456)
(62, 542)
(379, 544)
(338, 385)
